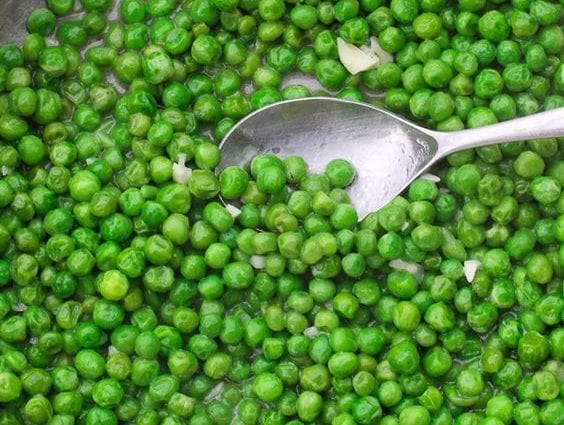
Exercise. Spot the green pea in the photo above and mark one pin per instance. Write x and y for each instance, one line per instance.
(493, 26)
(403, 357)
(11, 388)
(330, 73)
(268, 387)
(205, 50)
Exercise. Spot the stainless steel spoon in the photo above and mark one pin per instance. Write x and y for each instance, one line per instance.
(387, 151)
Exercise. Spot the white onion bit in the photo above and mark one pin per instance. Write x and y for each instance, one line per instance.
(215, 392)
(112, 350)
(470, 269)
(257, 261)
(431, 177)
(180, 173)
(6, 170)
(355, 59)
(404, 226)
(311, 332)
(233, 210)
(377, 50)
(19, 307)
(413, 268)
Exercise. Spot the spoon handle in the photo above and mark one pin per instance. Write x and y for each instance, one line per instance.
(536, 126)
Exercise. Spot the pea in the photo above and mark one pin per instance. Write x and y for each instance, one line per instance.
(11, 388)
(330, 73)
(517, 77)
(427, 25)
(493, 26)
(488, 83)
(437, 73)
(267, 387)
(404, 11)
(392, 39)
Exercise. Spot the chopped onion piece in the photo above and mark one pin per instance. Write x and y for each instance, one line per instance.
(444, 190)
(258, 261)
(430, 177)
(355, 59)
(20, 307)
(377, 50)
(181, 173)
(413, 268)
(404, 226)
(6, 170)
(214, 392)
(470, 269)
(112, 350)
(233, 210)
(90, 160)
(311, 332)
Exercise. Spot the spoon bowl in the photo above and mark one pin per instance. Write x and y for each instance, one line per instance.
(387, 151)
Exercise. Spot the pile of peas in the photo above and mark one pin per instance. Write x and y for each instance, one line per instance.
(128, 296)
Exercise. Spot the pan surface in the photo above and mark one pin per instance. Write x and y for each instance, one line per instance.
(13, 16)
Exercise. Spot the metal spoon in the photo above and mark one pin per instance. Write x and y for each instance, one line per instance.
(387, 151)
